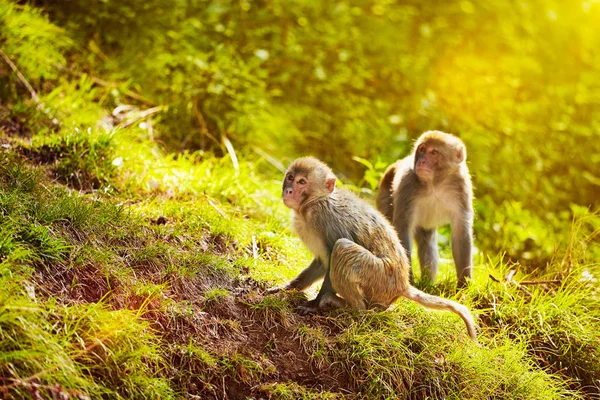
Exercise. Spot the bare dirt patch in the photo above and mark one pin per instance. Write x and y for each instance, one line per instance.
(232, 328)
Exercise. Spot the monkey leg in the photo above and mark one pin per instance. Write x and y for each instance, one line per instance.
(427, 247)
(354, 270)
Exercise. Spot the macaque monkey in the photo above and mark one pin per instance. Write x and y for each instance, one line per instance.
(429, 188)
(356, 250)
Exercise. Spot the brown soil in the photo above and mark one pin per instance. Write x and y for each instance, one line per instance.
(226, 327)
(264, 340)
(271, 340)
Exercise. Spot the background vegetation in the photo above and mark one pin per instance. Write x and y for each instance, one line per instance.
(142, 145)
(518, 81)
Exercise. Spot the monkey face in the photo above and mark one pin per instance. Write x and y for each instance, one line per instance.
(437, 154)
(294, 190)
(306, 178)
(427, 161)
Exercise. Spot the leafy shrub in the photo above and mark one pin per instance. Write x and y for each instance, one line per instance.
(354, 79)
(34, 44)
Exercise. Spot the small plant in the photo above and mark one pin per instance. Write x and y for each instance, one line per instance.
(215, 295)
(293, 391)
(81, 160)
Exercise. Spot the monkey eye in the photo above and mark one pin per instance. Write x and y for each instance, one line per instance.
(290, 177)
(421, 149)
(434, 152)
(302, 181)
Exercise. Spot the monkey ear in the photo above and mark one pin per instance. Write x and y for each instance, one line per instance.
(461, 154)
(330, 183)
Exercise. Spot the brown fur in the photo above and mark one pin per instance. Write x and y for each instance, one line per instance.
(416, 207)
(356, 249)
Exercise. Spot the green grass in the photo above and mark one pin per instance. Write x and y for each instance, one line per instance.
(151, 285)
(78, 348)
(293, 391)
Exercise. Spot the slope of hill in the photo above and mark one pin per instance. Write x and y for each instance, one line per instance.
(127, 271)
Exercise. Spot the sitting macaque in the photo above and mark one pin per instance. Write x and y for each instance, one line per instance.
(429, 188)
(355, 248)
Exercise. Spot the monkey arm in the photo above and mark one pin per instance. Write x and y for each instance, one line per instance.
(462, 247)
(315, 271)
(326, 288)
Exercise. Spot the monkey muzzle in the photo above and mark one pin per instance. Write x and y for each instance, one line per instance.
(288, 198)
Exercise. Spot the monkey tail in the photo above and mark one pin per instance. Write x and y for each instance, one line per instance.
(438, 303)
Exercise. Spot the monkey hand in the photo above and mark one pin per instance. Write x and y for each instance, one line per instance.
(307, 310)
(277, 289)
(274, 290)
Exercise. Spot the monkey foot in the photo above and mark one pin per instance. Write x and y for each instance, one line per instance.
(307, 310)
(309, 307)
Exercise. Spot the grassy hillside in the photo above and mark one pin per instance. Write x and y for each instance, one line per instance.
(130, 270)
(143, 291)
(153, 285)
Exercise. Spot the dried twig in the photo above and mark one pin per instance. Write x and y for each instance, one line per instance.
(213, 205)
(24, 81)
(492, 277)
(142, 115)
(114, 85)
(522, 288)
(34, 95)
(509, 280)
(203, 126)
(231, 151)
(126, 92)
(271, 160)
(543, 282)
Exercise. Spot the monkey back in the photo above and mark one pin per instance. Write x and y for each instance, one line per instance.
(342, 215)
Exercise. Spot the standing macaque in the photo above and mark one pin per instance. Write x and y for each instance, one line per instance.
(356, 250)
(429, 188)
